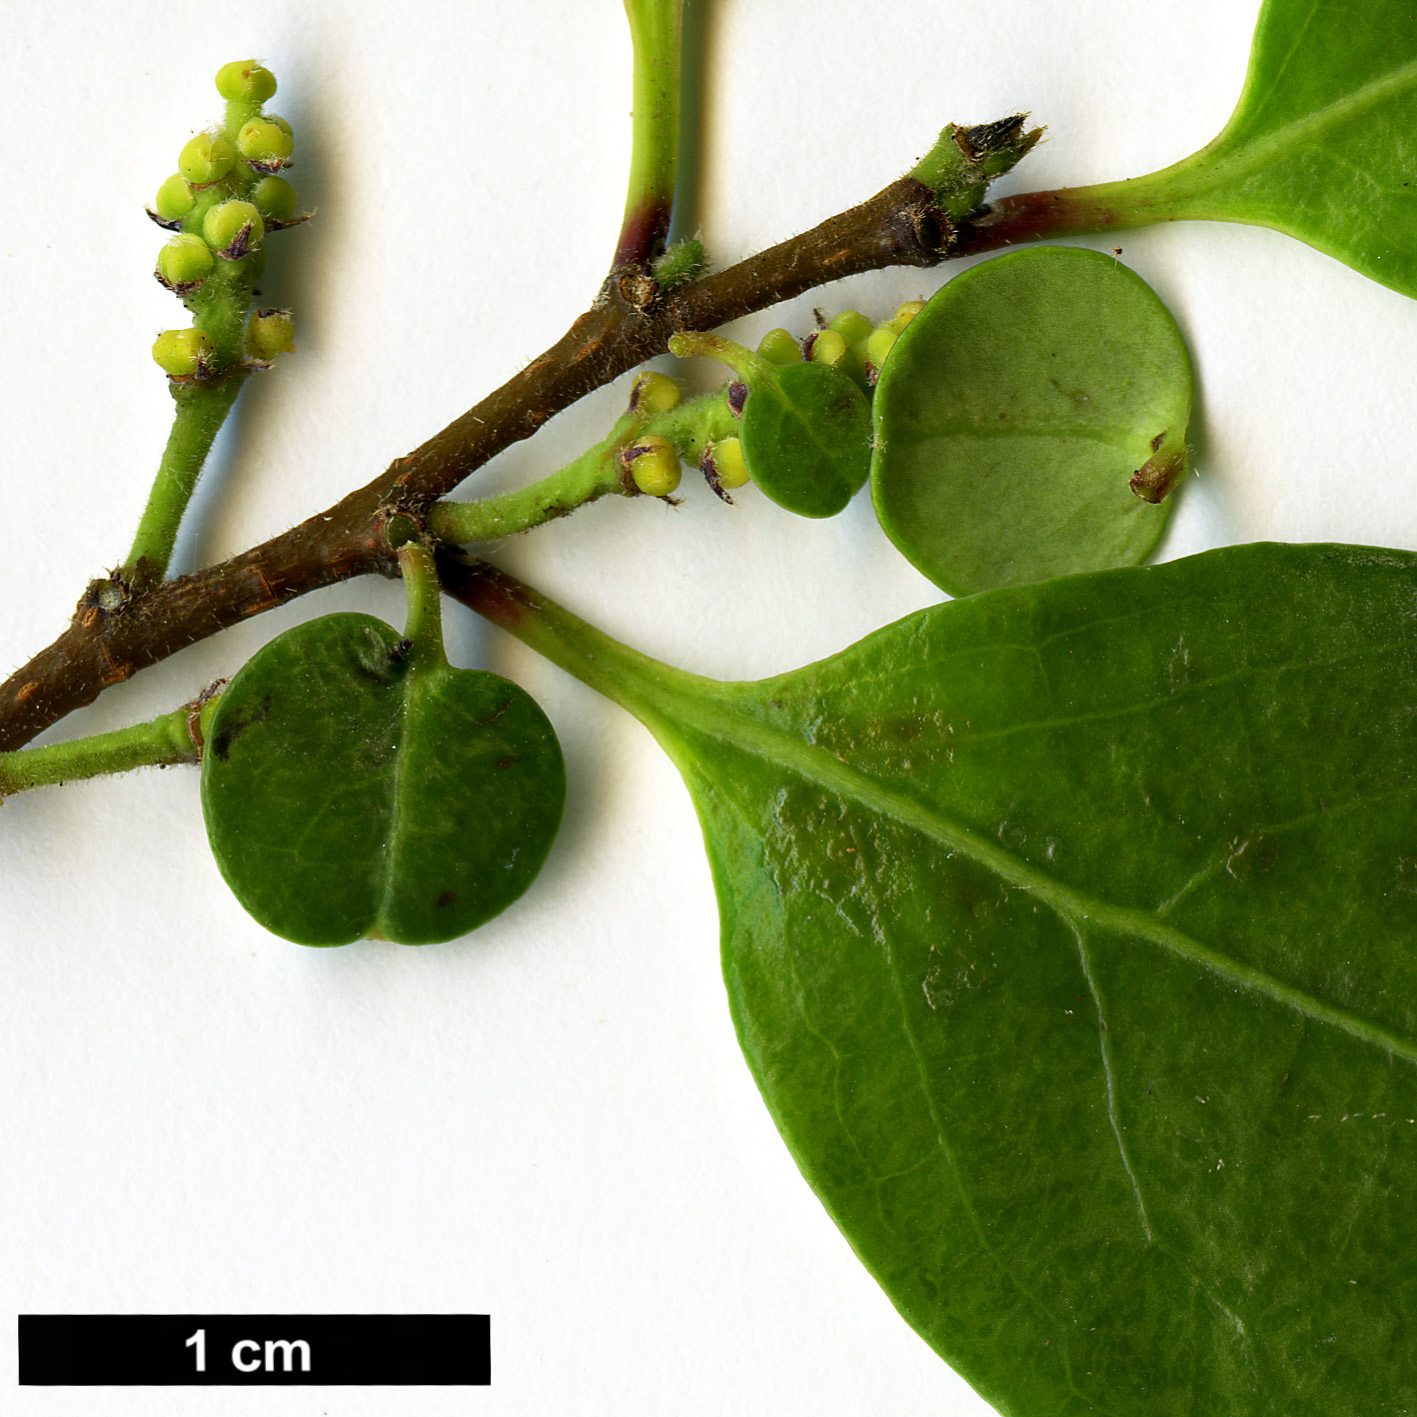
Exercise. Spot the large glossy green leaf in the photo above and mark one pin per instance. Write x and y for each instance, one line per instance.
(351, 788)
(1070, 934)
(1031, 421)
(1320, 145)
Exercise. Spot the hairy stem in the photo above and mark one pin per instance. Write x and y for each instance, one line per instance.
(170, 738)
(200, 412)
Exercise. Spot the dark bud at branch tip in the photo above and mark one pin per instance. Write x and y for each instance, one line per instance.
(737, 397)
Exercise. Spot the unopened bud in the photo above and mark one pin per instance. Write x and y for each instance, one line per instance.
(680, 264)
(851, 325)
(206, 159)
(826, 347)
(233, 228)
(654, 393)
(904, 314)
(653, 462)
(174, 198)
(726, 459)
(779, 347)
(182, 353)
(275, 198)
(245, 79)
(184, 261)
(878, 346)
(269, 333)
(264, 144)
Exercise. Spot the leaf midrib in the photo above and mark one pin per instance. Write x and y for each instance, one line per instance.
(1075, 907)
(397, 816)
(1214, 169)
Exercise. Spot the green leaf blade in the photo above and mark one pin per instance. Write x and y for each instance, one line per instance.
(347, 885)
(1320, 144)
(1017, 411)
(1087, 1000)
(806, 436)
(507, 749)
(349, 793)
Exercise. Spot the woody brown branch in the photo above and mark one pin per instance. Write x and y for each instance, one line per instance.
(106, 643)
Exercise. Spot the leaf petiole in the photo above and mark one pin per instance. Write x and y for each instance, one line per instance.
(423, 628)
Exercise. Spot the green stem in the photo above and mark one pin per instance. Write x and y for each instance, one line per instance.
(596, 473)
(692, 425)
(656, 28)
(174, 737)
(424, 625)
(201, 410)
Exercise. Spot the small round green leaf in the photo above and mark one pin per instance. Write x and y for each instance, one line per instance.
(1030, 422)
(806, 439)
(351, 789)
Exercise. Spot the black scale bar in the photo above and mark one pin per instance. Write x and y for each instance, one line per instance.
(254, 1350)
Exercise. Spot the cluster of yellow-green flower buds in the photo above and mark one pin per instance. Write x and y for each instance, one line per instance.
(849, 342)
(224, 197)
(651, 462)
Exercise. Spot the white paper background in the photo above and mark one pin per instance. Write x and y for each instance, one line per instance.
(548, 1122)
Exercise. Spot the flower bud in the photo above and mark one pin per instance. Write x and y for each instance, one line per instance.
(826, 347)
(206, 159)
(184, 261)
(851, 325)
(174, 198)
(877, 347)
(182, 353)
(245, 79)
(264, 144)
(779, 347)
(653, 462)
(726, 457)
(904, 315)
(275, 198)
(269, 333)
(654, 393)
(233, 228)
